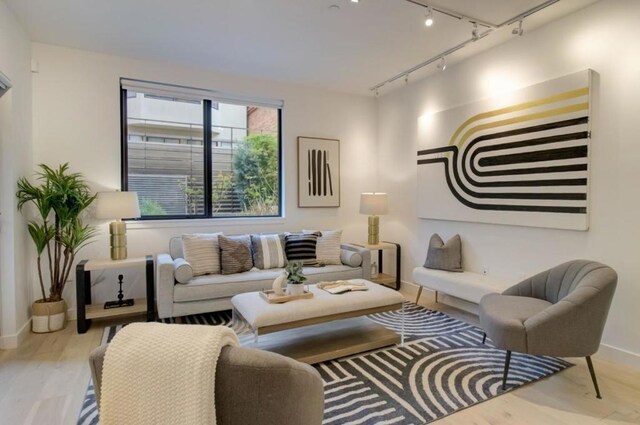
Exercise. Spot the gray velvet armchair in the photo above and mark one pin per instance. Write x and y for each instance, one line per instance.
(559, 312)
(255, 387)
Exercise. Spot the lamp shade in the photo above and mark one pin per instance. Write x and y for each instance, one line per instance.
(373, 203)
(117, 205)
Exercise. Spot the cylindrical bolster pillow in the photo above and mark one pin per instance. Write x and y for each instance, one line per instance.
(350, 258)
(183, 270)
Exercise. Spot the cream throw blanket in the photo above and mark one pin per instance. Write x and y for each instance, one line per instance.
(162, 374)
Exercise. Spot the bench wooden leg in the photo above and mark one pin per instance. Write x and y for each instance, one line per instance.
(419, 293)
(436, 297)
(178, 320)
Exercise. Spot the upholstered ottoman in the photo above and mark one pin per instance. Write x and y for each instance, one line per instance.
(263, 318)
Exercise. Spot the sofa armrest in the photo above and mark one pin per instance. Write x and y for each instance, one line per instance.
(250, 387)
(165, 281)
(96, 361)
(366, 257)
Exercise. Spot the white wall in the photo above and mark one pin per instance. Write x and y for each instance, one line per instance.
(603, 37)
(15, 161)
(76, 119)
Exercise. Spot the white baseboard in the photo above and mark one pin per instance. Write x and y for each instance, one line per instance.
(10, 342)
(72, 313)
(618, 355)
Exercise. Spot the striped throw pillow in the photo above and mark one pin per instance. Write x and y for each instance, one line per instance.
(268, 251)
(202, 251)
(235, 253)
(302, 247)
(328, 247)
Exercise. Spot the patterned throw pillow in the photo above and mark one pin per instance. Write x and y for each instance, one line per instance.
(268, 251)
(302, 247)
(202, 251)
(235, 252)
(444, 256)
(328, 247)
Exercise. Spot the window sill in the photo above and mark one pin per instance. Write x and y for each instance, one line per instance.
(204, 222)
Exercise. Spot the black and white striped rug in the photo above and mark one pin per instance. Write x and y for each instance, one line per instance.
(442, 368)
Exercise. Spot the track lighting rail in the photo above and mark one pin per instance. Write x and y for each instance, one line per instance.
(490, 28)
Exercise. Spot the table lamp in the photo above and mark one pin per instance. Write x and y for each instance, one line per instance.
(374, 204)
(117, 205)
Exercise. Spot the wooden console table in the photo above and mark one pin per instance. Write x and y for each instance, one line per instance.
(87, 312)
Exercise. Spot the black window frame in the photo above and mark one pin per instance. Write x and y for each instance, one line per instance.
(207, 106)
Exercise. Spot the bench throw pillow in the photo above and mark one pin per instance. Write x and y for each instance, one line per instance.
(268, 251)
(444, 256)
(328, 247)
(235, 254)
(302, 247)
(202, 251)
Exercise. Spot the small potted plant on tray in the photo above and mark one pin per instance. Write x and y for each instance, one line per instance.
(295, 278)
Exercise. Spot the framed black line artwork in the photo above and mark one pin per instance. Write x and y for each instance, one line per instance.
(318, 172)
(520, 158)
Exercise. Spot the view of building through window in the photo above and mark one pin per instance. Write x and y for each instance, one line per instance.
(166, 157)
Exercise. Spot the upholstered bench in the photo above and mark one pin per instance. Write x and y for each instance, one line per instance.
(465, 285)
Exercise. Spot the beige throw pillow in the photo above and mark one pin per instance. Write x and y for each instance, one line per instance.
(328, 246)
(202, 251)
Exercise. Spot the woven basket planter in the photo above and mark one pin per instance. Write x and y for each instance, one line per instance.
(48, 316)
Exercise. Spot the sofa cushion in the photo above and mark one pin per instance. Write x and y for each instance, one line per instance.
(184, 271)
(202, 251)
(302, 247)
(328, 246)
(235, 254)
(268, 251)
(224, 286)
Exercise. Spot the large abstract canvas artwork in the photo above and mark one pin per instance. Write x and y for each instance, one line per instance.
(521, 158)
(318, 172)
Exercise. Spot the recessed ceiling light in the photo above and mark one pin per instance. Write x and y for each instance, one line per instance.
(355, 1)
(334, 8)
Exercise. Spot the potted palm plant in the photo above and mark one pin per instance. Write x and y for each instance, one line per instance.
(295, 278)
(60, 198)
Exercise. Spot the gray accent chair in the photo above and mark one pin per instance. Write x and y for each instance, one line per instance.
(559, 312)
(254, 387)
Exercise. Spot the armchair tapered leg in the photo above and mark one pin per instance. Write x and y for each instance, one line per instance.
(419, 293)
(593, 376)
(507, 360)
(484, 337)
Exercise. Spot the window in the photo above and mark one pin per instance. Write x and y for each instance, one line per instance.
(207, 158)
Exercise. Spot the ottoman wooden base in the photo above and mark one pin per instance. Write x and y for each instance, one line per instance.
(327, 341)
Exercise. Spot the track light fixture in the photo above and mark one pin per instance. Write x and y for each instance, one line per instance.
(474, 32)
(406, 78)
(518, 31)
(377, 93)
(442, 65)
(429, 17)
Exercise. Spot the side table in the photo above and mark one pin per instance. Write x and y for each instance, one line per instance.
(392, 281)
(86, 311)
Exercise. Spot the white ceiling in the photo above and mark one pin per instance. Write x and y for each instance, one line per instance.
(300, 41)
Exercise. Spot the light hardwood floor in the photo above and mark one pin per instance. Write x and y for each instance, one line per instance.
(44, 381)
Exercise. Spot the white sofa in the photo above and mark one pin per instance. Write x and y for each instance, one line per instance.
(213, 292)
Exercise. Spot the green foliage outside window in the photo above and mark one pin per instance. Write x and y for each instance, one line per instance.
(256, 174)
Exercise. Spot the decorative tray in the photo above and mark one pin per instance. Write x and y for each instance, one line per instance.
(270, 296)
